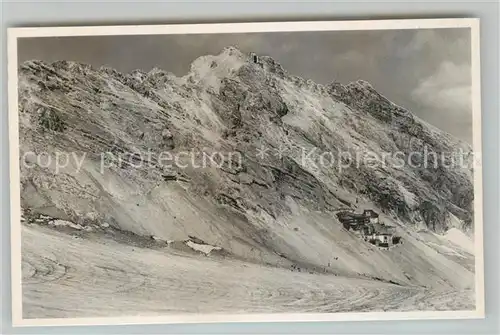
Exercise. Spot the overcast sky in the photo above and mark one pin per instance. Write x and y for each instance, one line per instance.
(425, 71)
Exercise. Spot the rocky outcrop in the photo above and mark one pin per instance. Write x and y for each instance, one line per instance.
(437, 171)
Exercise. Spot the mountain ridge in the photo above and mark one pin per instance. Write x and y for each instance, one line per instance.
(229, 104)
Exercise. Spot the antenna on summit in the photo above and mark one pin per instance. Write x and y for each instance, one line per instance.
(254, 57)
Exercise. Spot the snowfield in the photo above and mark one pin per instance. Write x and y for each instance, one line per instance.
(461, 240)
(72, 278)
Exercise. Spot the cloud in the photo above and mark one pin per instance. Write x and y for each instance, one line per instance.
(447, 94)
(353, 56)
(420, 40)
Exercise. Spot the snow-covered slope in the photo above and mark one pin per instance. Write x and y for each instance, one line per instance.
(277, 210)
(111, 279)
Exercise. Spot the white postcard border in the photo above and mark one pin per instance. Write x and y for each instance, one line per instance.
(16, 275)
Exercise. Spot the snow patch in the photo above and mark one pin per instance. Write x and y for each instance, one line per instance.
(64, 223)
(446, 250)
(457, 237)
(208, 71)
(408, 196)
(204, 248)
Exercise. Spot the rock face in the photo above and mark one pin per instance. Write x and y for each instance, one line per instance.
(282, 149)
(438, 181)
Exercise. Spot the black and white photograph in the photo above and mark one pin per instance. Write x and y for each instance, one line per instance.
(288, 171)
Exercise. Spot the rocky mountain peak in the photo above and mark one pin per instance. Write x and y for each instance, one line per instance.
(228, 100)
